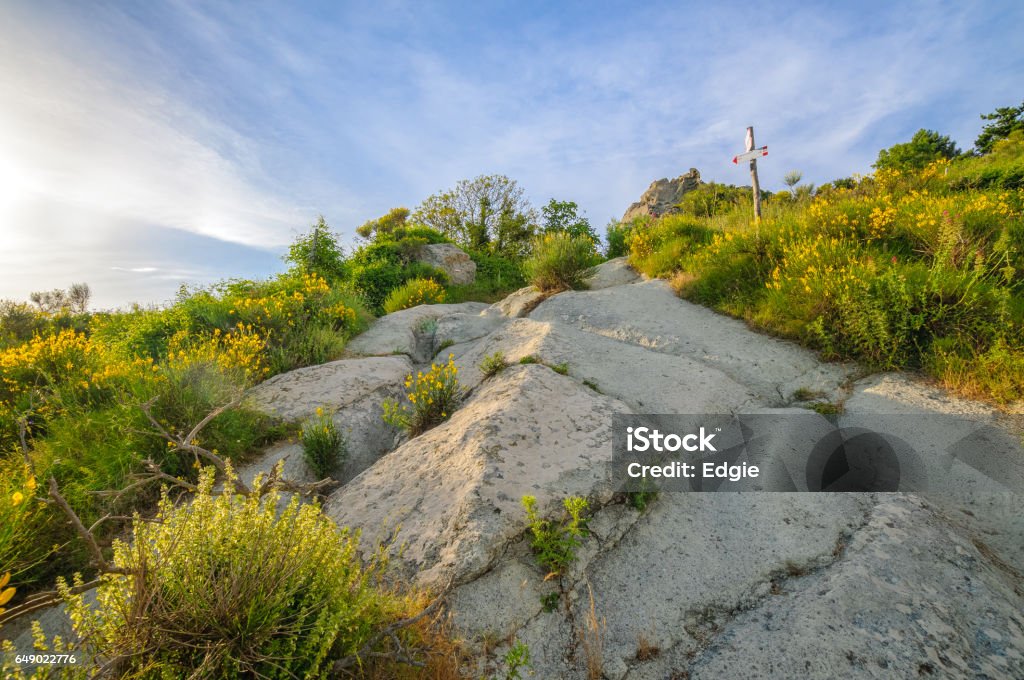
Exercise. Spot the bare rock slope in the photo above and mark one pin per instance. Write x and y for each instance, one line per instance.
(752, 585)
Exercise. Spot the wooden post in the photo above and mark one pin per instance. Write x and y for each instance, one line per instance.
(753, 176)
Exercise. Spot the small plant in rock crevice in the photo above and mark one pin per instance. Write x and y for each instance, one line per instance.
(323, 445)
(433, 396)
(554, 543)
(493, 364)
(516, 659)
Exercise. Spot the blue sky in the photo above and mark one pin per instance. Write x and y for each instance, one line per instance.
(144, 145)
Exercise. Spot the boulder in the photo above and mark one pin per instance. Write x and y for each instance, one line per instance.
(450, 498)
(517, 304)
(352, 390)
(650, 315)
(450, 259)
(662, 196)
(646, 381)
(408, 331)
(614, 272)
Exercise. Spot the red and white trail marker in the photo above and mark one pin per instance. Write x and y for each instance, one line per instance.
(750, 155)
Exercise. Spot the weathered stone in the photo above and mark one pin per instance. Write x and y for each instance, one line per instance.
(662, 196)
(455, 490)
(650, 315)
(409, 331)
(648, 382)
(518, 304)
(614, 272)
(450, 259)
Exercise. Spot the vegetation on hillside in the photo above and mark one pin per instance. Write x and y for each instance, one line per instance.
(98, 401)
(918, 266)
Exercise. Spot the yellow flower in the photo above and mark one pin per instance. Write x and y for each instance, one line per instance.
(30, 483)
(17, 498)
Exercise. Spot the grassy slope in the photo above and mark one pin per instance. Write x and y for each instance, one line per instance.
(920, 270)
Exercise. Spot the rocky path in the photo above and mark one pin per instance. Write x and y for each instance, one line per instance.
(700, 585)
(772, 585)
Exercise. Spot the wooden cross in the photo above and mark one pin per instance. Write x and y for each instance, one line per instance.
(752, 155)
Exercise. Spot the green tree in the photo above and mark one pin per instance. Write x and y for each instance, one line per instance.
(923, 148)
(564, 216)
(384, 225)
(488, 212)
(318, 251)
(1007, 119)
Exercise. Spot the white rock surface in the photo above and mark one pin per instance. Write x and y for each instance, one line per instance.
(614, 272)
(455, 490)
(648, 382)
(409, 331)
(518, 304)
(648, 314)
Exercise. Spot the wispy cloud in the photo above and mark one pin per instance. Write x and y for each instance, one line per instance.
(240, 126)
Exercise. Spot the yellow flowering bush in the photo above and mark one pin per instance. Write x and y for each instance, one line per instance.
(232, 586)
(412, 293)
(899, 269)
(239, 352)
(432, 397)
(20, 548)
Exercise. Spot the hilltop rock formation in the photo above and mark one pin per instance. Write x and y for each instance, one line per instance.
(662, 196)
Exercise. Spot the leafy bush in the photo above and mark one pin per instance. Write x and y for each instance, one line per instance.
(923, 148)
(554, 543)
(564, 216)
(616, 234)
(323, 445)
(227, 586)
(561, 262)
(318, 252)
(711, 198)
(433, 396)
(493, 364)
(412, 293)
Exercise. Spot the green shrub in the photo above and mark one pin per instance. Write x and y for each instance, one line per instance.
(493, 364)
(616, 234)
(560, 262)
(412, 293)
(323, 445)
(516, 658)
(530, 359)
(227, 586)
(711, 198)
(554, 543)
(560, 369)
(496, 277)
(433, 396)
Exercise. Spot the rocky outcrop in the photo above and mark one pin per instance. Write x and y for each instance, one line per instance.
(409, 331)
(662, 196)
(450, 259)
(614, 272)
(711, 585)
(451, 496)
